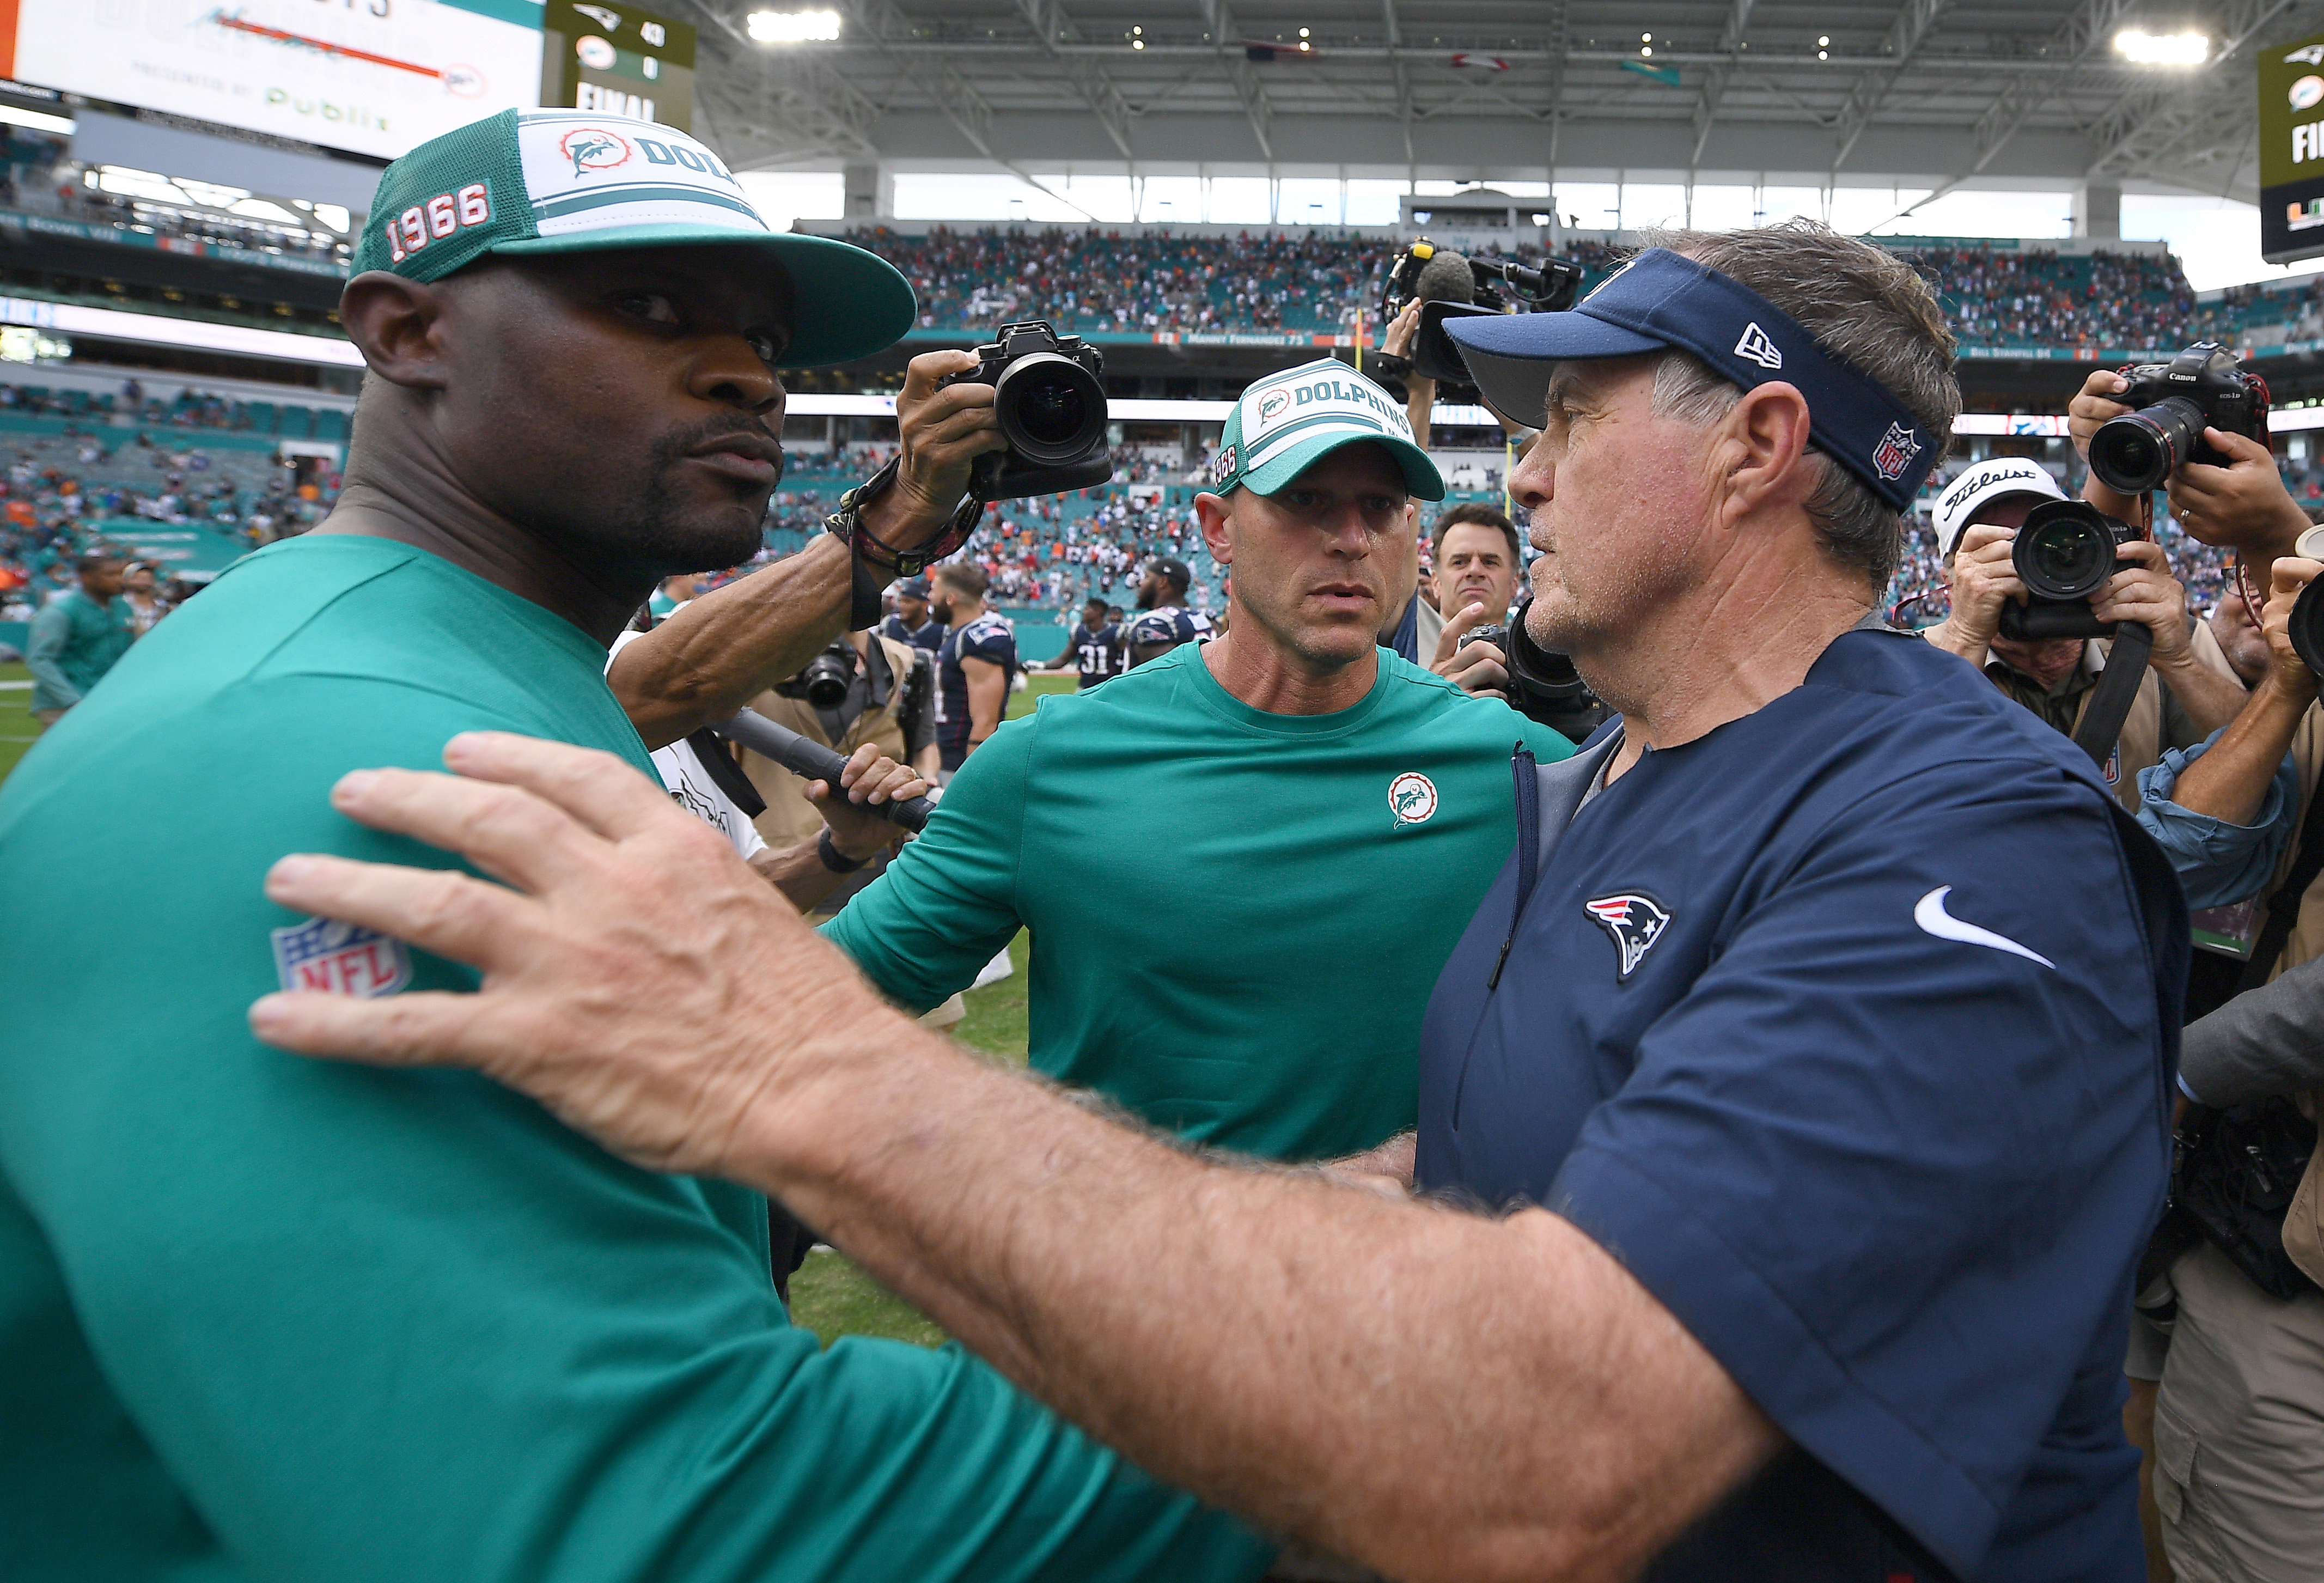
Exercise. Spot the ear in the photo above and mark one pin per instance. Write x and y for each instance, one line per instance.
(395, 323)
(1762, 452)
(1217, 521)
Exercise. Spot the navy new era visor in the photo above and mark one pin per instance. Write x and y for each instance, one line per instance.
(1661, 299)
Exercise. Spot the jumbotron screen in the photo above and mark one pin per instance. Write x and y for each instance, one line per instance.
(372, 77)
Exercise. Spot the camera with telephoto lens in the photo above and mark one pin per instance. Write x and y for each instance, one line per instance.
(2202, 388)
(1047, 390)
(1543, 685)
(824, 683)
(2065, 551)
(1434, 276)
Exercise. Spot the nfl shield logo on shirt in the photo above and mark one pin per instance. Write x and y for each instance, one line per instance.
(340, 959)
(1634, 920)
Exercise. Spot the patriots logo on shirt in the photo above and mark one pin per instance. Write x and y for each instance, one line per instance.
(1634, 920)
(340, 959)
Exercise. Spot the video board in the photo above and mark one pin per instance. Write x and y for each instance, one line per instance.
(372, 77)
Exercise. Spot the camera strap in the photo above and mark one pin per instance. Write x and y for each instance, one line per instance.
(2117, 689)
(718, 763)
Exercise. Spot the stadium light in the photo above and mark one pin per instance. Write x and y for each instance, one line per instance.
(2145, 48)
(794, 27)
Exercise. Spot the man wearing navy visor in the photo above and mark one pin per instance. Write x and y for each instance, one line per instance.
(1813, 1049)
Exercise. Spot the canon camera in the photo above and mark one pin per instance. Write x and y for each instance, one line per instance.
(824, 682)
(1050, 396)
(1450, 286)
(2065, 551)
(2202, 388)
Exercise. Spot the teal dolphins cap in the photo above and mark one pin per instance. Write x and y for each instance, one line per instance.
(1285, 425)
(526, 182)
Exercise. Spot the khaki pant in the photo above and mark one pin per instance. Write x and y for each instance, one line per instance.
(2240, 1429)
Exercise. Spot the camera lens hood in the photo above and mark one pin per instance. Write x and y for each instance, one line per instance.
(2136, 451)
(1052, 410)
(2066, 550)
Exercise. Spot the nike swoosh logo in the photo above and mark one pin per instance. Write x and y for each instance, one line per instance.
(1932, 917)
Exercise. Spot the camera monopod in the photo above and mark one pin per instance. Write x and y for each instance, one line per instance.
(814, 762)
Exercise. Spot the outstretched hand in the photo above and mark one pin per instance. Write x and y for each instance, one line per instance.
(639, 979)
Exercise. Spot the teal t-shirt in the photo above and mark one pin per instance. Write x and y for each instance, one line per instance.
(264, 1317)
(1237, 916)
(73, 643)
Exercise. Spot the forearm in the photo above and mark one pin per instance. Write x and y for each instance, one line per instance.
(1949, 635)
(800, 873)
(2211, 697)
(1419, 406)
(1432, 1393)
(41, 655)
(2231, 779)
(2266, 1041)
(725, 649)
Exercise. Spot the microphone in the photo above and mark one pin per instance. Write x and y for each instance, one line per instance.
(812, 761)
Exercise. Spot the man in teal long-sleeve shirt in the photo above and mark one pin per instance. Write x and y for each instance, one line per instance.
(1244, 864)
(78, 637)
(263, 1321)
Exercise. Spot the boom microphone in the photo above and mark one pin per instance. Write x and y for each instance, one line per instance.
(1445, 278)
(814, 762)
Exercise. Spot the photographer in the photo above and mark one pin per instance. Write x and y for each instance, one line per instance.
(1978, 517)
(1478, 566)
(2240, 1405)
(885, 700)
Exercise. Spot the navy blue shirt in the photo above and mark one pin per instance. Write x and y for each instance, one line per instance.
(988, 637)
(1164, 623)
(1098, 652)
(929, 635)
(1849, 1029)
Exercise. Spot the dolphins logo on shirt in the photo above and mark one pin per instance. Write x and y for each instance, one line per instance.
(1634, 920)
(1412, 798)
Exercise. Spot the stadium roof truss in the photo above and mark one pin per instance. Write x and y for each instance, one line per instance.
(1930, 92)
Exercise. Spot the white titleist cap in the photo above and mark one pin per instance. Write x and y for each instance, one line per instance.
(1983, 481)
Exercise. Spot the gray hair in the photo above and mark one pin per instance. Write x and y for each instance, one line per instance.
(1865, 307)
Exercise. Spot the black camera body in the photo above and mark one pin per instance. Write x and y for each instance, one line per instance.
(2065, 551)
(823, 681)
(1050, 394)
(1495, 285)
(2202, 388)
(1543, 685)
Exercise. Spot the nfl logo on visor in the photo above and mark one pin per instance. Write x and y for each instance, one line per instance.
(1895, 453)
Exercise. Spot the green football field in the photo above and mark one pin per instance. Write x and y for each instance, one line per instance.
(829, 1295)
(17, 727)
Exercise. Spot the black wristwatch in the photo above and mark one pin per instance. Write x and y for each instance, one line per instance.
(832, 857)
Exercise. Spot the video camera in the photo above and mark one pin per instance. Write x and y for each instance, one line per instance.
(2064, 552)
(1434, 276)
(1543, 685)
(2202, 388)
(1051, 400)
